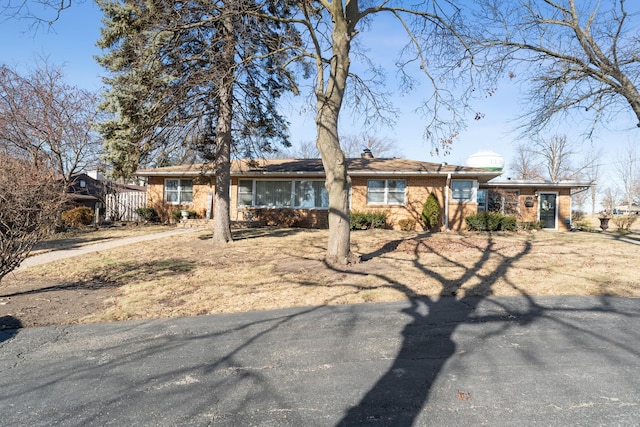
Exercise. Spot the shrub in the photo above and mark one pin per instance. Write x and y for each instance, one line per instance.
(367, 220)
(530, 225)
(76, 217)
(148, 214)
(624, 222)
(279, 217)
(577, 216)
(176, 215)
(484, 221)
(407, 224)
(584, 226)
(430, 212)
(491, 221)
(509, 223)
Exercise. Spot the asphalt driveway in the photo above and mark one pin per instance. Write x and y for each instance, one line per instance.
(563, 361)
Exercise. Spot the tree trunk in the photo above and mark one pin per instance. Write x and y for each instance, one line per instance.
(222, 165)
(329, 101)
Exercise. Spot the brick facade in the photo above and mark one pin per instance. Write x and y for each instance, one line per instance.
(422, 179)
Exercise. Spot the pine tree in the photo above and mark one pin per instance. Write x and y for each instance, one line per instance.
(200, 76)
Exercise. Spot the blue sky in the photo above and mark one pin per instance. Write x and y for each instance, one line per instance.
(71, 43)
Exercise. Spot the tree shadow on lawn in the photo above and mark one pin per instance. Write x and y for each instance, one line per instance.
(116, 275)
(234, 377)
(399, 396)
(9, 326)
(257, 232)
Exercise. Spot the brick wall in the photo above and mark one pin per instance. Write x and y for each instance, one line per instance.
(201, 188)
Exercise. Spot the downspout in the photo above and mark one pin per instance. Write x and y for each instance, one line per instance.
(446, 203)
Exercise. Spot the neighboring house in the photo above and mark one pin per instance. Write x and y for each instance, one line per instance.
(294, 189)
(85, 190)
(106, 198)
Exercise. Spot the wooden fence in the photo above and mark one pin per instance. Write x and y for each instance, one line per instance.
(122, 206)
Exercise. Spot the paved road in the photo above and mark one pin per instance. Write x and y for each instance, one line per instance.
(46, 257)
(563, 361)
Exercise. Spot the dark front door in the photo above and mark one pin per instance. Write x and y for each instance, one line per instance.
(548, 210)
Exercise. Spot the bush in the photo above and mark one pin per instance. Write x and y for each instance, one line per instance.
(491, 221)
(148, 214)
(367, 220)
(530, 225)
(624, 222)
(509, 223)
(279, 217)
(430, 212)
(407, 224)
(484, 221)
(584, 226)
(577, 216)
(76, 217)
(176, 215)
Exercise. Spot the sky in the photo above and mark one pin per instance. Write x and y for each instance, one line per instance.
(71, 43)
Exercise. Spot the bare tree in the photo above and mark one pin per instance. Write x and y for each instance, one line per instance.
(31, 200)
(591, 171)
(330, 30)
(577, 55)
(525, 164)
(556, 156)
(610, 199)
(44, 119)
(628, 171)
(353, 145)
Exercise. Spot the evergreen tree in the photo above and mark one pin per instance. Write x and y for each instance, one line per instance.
(202, 76)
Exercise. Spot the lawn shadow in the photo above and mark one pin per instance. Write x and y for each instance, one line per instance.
(9, 326)
(116, 275)
(399, 396)
(257, 232)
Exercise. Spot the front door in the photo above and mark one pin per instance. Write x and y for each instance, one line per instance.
(548, 210)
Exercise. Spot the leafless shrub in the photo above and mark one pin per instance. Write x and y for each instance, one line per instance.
(31, 200)
(624, 222)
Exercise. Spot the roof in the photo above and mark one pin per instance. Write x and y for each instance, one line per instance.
(310, 167)
(539, 183)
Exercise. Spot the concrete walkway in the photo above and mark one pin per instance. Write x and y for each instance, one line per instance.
(554, 361)
(56, 255)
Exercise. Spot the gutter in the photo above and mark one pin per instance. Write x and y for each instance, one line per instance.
(446, 202)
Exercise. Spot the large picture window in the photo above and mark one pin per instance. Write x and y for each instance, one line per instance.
(302, 194)
(178, 191)
(386, 191)
(463, 190)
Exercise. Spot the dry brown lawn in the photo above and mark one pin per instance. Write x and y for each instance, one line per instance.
(277, 268)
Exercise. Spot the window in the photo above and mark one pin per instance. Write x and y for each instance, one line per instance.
(303, 194)
(463, 190)
(178, 191)
(245, 193)
(482, 200)
(311, 194)
(273, 194)
(507, 202)
(386, 191)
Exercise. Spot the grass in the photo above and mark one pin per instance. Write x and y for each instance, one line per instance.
(87, 235)
(269, 269)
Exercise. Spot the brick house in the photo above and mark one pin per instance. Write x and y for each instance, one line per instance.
(294, 189)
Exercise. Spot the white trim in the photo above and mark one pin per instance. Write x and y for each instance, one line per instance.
(474, 190)
(180, 201)
(385, 202)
